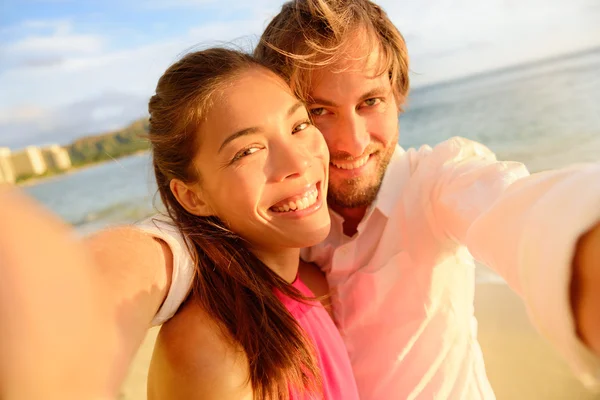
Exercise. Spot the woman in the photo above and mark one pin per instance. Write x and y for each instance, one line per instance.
(243, 175)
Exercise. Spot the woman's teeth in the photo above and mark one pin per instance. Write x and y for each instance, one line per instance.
(352, 165)
(307, 200)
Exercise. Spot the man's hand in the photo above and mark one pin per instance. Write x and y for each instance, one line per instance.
(585, 288)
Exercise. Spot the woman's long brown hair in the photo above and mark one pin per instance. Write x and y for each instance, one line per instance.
(231, 283)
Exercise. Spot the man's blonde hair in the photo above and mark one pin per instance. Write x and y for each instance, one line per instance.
(310, 34)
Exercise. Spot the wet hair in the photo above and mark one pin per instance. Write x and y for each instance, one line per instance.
(234, 287)
(310, 34)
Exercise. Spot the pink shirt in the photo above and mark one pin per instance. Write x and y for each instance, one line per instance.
(403, 286)
(336, 372)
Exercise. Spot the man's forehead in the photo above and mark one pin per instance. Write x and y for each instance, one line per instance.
(331, 83)
(356, 59)
(359, 56)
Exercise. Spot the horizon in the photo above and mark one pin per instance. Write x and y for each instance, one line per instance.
(73, 70)
(493, 73)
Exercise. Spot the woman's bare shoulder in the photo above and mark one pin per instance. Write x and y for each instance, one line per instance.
(194, 359)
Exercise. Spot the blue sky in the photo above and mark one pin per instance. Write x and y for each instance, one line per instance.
(70, 68)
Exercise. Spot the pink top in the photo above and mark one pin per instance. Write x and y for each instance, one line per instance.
(336, 371)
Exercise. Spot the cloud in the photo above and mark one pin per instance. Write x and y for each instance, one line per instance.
(26, 125)
(60, 82)
(114, 86)
(62, 43)
(20, 114)
(57, 25)
(179, 3)
(452, 39)
(50, 42)
(234, 6)
(49, 1)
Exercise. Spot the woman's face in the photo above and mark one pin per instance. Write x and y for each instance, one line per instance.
(263, 165)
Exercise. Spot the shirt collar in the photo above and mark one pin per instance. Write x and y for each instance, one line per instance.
(389, 192)
(392, 183)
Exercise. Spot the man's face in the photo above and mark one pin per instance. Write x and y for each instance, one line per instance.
(354, 107)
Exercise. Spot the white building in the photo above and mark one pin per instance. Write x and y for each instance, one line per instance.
(7, 173)
(56, 157)
(32, 161)
(29, 161)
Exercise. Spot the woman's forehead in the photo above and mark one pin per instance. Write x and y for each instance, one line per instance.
(254, 99)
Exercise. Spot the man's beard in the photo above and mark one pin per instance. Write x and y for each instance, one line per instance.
(362, 190)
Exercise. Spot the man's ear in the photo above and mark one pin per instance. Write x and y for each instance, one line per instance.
(190, 198)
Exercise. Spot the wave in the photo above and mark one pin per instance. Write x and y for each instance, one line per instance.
(119, 213)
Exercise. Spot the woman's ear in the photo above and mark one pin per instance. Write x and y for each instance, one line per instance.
(191, 198)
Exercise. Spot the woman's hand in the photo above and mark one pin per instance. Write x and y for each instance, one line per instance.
(51, 319)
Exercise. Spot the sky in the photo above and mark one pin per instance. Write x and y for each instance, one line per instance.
(72, 68)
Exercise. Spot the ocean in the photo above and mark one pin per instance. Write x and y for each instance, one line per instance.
(546, 115)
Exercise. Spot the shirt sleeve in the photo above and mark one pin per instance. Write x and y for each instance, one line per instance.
(526, 228)
(163, 228)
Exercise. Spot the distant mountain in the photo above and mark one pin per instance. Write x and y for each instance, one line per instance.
(106, 146)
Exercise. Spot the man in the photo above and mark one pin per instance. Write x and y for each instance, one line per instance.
(403, 224)
(397, 258)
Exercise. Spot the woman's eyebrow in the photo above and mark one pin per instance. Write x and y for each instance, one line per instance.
(232, 137)
(254, 129)
(294, 108)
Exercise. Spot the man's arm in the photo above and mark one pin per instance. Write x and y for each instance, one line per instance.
(132, 271)
(526, 228)
(72, 314)
(585, 288)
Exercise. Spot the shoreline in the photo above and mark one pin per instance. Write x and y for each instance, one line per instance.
(37, 180)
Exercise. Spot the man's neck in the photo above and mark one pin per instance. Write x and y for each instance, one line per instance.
(352, 217)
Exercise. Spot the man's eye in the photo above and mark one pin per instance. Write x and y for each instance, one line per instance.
(318, 111)
(372, 102)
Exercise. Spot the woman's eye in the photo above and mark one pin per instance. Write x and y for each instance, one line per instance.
(245, 152)
(318, 111)
(372, 102)
(300, 127)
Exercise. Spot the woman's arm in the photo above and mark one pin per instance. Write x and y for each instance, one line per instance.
(585, 296)
(73, 313)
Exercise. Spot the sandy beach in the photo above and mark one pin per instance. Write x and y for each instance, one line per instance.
(520, 364)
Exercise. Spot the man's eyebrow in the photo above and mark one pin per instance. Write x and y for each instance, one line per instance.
(254, 129)
(378, 91)
(375, 92)
(322, 102)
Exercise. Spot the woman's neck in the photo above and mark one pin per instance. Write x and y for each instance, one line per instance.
(284, 262)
